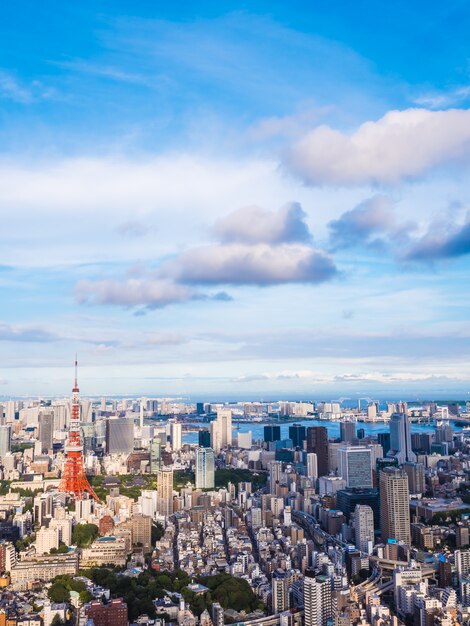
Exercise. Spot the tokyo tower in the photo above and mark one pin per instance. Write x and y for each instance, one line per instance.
(74, 480)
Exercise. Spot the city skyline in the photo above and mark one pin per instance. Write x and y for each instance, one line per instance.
(235, 201)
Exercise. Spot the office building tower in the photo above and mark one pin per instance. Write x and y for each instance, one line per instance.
(155, 455)
(205, 468)
(348, 499)
(318, 600)
(400, 438)
(272, 433)
(5, 439)
(384, 441)
(280, 591)
(119, 435)
(416, 479)
(317, 441)
(204, 439)
(312, 465)
(174, 435)
(10, 411)
(361, 433)
(221, 430)
(364, 528)
(275, 472)
(347, 431)
(200, 408)
(165, 492)
(394, 505)
(298, 434)
(46, 430)
(354, 465)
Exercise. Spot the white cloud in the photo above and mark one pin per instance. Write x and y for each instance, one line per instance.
(401, 145)
(256, 225)
(261, 264)
(133, 292)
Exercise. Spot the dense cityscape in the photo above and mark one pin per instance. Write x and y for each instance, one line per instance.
(157, 511)
(250, 223)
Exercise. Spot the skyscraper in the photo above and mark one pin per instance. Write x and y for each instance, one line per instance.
(298, 434)
(318, 600)
(174, 435)
(317, 441)
(312, 465)
(272, 433)
(347, 431)
(165, 492)
(416, 480)
(119, 435)
(354, 465)
(5, 439)
(400, 438)
(204, 468)
(394, 505)
(364, 528)
(221, 430)
(46, 429)
(204, 439)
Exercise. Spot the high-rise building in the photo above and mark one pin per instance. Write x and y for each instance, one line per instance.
(347, 431)
(204, 439)
(318, 600)
(174, 435)
(221, 430)
(272, 433)
(119, 435)
(364, 528)
(348, 499)
(354, 465)
(416, 480)
(275, 471)
(155, 455)
(312, 465)
(400, 438)
(205, 468)
(384, 441)
(165, 492)
(46, 430)
(317, 441)
(280, 591)
(5, 439)
(394, 505)
(298, 434)
(200, 408)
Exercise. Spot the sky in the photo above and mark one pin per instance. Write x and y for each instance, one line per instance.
(245, 200)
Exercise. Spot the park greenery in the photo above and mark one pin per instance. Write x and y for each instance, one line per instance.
(126, 486)
(61, 587)
(139, 592)
(84, 534)
(223, 477)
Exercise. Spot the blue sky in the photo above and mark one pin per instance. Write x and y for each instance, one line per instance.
(244, 199)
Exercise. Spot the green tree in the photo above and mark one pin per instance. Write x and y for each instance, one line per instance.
(84, 534)
(58, 593)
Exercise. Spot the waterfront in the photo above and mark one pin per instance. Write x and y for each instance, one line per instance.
(257, 428)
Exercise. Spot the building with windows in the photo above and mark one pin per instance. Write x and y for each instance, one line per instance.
(354, 465)
(394, 505)
(205, 476)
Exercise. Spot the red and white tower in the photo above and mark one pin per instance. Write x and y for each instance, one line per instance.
(74, 480)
